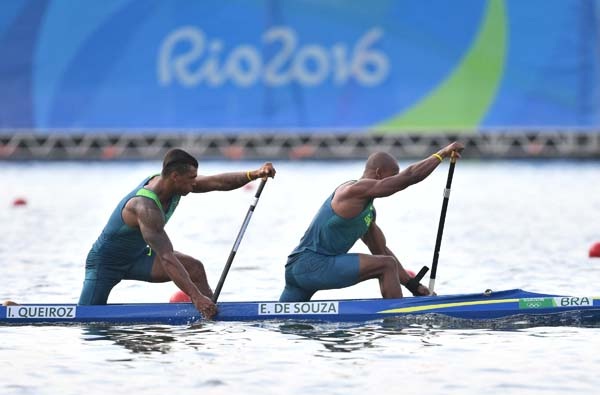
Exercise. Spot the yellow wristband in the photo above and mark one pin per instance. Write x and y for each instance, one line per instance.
(248, 175)
(438, 156)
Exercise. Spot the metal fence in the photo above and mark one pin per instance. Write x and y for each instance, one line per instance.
(125, 145)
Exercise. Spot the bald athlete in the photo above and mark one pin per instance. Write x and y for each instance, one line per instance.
(321, 260)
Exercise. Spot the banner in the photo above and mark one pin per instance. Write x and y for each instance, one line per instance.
(243, 66)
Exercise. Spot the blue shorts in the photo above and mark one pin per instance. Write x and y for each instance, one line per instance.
(309, 272)
(101, 275)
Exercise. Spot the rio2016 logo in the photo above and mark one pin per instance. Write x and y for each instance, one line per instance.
(186, 56)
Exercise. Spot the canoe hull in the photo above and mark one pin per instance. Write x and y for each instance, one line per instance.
(478, 306)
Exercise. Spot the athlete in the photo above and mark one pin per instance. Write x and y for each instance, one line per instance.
(321, 260)
(134, 244)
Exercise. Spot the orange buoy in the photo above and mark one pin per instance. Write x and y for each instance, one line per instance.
(179, 297)
(302, 151)
(595, 250)
(234, 152)
(109, 152)
(19, 202)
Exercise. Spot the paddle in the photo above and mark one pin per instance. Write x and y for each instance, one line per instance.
(238, 240)
(438, 240)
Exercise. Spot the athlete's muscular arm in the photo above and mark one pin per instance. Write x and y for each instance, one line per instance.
(230, 181)
(417, 172)
(375, 240)
(151, 223)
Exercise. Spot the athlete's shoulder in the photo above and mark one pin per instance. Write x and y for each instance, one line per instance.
(355, 188)
(140, 204)
(139, 210)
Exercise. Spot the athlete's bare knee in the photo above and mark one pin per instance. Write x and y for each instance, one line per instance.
(378, 266)
(387, 267)
(390, 265)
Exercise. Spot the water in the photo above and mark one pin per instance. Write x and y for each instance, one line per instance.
(509, 225)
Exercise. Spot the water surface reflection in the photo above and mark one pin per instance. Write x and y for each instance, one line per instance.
(138, 339)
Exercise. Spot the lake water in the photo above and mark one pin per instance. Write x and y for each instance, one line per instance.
(509, 225)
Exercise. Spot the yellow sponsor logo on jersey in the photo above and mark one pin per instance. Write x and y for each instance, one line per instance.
(369, 217)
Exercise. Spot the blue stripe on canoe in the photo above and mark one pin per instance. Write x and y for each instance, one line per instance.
(468, 306)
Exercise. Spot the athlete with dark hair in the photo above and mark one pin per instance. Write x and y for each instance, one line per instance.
(134, 244)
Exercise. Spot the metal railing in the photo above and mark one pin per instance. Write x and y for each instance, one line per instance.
(126, 145)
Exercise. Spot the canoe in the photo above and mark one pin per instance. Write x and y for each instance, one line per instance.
(475, 306)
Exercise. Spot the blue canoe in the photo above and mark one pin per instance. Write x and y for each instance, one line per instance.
(478, 306)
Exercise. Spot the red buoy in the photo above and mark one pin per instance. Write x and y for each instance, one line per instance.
(179, 297)
(595, 250)
(19, 202)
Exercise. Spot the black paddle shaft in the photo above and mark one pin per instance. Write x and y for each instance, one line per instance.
(440, 232)
(238, 240)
